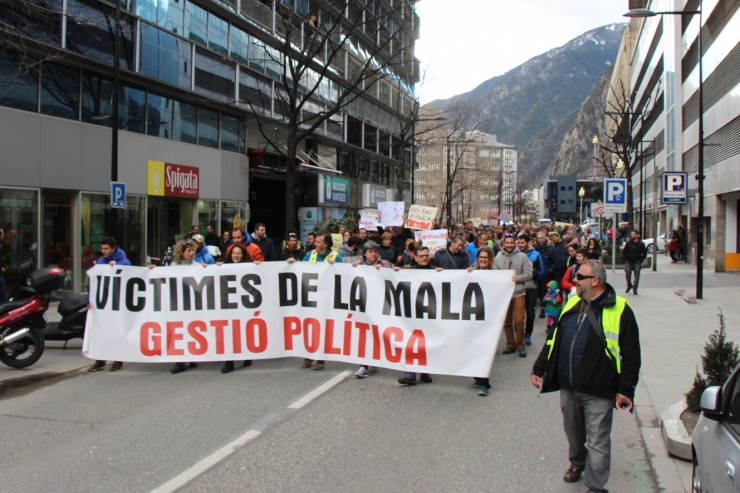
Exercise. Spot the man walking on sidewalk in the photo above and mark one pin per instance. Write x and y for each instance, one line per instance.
(510, 258)
(522, 243)
(634, 253)
(592, 356)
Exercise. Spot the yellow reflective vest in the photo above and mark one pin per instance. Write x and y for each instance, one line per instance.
(610, 318)
(315, 255)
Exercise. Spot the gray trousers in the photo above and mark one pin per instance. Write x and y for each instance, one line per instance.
(587, 420)
(628, 270)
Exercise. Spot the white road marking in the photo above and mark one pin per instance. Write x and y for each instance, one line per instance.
(319, 390)
(200, 467)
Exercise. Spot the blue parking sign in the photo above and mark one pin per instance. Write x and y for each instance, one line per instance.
(117, 195)
(615, 195)
(675, 189)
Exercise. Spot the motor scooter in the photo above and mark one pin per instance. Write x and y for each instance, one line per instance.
(22, 320)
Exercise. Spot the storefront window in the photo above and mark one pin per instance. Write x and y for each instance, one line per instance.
(234, 215)
(95, 213)
(168, 220)
(19, 220)
(207, 214)
(56, 240)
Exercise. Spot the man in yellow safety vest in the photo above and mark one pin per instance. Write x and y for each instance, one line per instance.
(322, 252)
(592, 356)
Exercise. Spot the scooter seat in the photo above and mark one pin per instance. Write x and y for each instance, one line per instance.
(72, 304)
(9, 306)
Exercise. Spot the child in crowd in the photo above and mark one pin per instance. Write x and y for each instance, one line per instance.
(553, 304)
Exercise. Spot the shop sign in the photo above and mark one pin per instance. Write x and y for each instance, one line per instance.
(173, 180)
(333, 190)
(372, 195)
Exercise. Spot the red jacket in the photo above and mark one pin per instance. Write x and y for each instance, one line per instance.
(253, 251)
(567, 282)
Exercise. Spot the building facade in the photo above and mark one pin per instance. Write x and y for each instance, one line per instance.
(665, 76)
(483, 172)
(200, 84)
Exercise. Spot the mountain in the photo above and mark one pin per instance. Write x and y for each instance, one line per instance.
(575, 153)
(534, 105)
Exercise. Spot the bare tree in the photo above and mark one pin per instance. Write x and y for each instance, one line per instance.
(322, 67)
(624, 116)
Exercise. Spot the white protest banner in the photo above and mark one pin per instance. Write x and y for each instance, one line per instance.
(369, 219)
(435, 239)
(390, 214)
(420, 217)
(445, 322)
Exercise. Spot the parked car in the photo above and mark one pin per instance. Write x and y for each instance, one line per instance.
(590, 223)
(544, 222)
(649, 244)
(715, 445)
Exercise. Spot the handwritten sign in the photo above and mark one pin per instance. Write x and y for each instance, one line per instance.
(435, 239)
(420, 217)
(390, 214)
(369, 219)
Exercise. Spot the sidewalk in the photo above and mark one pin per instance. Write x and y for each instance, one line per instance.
(54, 362)
(672, 335)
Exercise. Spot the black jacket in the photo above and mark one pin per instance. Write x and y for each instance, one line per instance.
(448, 260)
(388, 253)
(599, 375)
(559, 257)
(634, 253)
(296, 254)
(267, 247)
(547, 259)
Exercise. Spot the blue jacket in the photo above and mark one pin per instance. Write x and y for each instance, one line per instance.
(473, 252)
(119, 256)
(538, 266)
(203, 257)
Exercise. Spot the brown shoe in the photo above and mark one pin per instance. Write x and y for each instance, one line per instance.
(117, 365)
(319, 365)
(572, 475)
(307, 363)
(97, 366)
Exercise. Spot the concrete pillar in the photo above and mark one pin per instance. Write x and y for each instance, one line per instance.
(719, 233)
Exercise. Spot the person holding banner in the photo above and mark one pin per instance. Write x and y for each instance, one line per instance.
(322, 252)
(423, 261)
(510, 258)
(452, 257)
(483, 261)
(237, 255)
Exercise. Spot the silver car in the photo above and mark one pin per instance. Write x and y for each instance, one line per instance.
(716, 439)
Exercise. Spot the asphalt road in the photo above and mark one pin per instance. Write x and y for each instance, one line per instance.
(137, 429)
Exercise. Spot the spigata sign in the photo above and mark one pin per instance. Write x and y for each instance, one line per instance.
(173, 180)
(333, 190)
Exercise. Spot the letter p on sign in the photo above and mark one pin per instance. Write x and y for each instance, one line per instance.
(117, 195)
(614, 192)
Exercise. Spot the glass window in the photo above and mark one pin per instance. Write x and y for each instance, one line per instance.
(97, 99)
(90, 31)
(256, 55)
(171, 15)
(196, 23)
(208, 216)
(234, 215)
(301, 6)
(60, 90)
(207, 128)
(335, 126)
(255, 91)
(232, 134)
(19, 218)
(159, 116)
(274, 63)
(186, 118)
(218, 34)
(239, 45)
(38, 19)
(165, 57)
(214, 76)
(146, 9)
(95, 214)
(131, 109)
(19, 82)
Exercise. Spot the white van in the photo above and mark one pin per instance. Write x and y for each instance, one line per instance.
(544, 222)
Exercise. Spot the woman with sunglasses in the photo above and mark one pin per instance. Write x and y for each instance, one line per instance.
(483, 261)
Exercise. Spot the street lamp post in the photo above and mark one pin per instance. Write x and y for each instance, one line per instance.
(595, 142)
(581, 193)
(700, 174)
(114, 124)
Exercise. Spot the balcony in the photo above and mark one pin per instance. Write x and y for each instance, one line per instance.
(258, 12)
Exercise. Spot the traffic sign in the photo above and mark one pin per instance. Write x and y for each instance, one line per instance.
(675, 189)
(597, 209)
(615, 195)
(117, 195)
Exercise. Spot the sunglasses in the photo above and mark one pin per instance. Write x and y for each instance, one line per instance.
(508, 235)
(581, 277)
(484, 258)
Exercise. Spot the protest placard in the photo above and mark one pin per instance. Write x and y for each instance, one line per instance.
(390, 214)
(369, 219)
(398, 320)
(420, 217)
(434, 239)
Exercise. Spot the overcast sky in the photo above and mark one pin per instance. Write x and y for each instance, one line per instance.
(465, 42)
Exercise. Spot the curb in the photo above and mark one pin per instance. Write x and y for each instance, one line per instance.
(677, 440)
